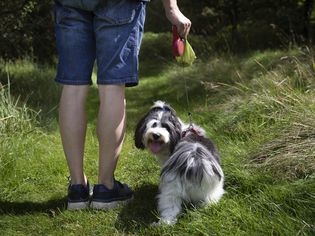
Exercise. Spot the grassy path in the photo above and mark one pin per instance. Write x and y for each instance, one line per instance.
(258, 110)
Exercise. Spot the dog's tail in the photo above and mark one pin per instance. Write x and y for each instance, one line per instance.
(192, 162)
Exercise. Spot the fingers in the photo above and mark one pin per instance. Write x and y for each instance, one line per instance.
(184, 28)
(181, 22)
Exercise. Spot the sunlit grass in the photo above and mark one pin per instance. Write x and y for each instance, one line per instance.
(259, 109)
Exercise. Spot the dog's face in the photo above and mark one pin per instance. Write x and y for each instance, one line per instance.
(159, 130)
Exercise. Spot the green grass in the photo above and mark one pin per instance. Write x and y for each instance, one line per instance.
(258, 108)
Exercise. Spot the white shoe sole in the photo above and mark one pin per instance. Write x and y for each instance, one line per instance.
(73, 206)
(108, 205)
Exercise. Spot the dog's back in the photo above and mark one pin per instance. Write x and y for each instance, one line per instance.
(205, 142)
(195, 167)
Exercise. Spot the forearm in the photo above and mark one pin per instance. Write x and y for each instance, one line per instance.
(176, 17)
(170, 6)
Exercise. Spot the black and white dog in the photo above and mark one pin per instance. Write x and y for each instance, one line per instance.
(159, 131)
(191, 170)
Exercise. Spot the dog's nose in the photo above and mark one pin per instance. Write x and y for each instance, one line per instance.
(156, 136)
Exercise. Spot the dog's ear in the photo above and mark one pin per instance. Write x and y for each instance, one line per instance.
(139, 131)
(170, 109)
(175, 131)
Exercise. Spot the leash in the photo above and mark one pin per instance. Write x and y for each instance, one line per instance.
(188, 105)
(178, 48)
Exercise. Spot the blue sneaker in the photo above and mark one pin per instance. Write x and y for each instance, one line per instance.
(105, 199)
(79, 196)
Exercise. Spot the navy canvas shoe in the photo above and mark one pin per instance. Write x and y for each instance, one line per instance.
(105, 199)
(79, 196)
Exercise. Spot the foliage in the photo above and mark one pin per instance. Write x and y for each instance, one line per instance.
(32, 83)
(258, 108)
(27, 27)
(17, 121)
(240, 25)
(26, 30)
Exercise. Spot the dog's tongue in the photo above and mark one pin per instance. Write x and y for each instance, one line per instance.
(155, 147)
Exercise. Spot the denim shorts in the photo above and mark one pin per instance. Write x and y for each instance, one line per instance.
(111, 35)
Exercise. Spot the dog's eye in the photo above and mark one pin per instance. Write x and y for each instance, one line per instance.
(165, 126)
(154, 125)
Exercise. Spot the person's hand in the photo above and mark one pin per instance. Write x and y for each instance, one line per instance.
(182, 23)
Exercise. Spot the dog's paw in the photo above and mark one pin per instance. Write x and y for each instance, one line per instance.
(161, 222)
(155, 224)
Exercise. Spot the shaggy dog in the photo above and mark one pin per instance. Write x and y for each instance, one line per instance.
(159, 131)
(191, 170)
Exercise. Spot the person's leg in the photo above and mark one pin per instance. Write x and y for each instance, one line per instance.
(75, 43)
(110, 130)
(72, 119)
(118, 29)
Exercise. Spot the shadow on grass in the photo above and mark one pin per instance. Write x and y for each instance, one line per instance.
(172, 91)
(155, 54)
(22, 208)
(139, 212)
(33, 85)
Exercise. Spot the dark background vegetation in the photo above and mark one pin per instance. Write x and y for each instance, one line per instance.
(27, 29)
(252, 89)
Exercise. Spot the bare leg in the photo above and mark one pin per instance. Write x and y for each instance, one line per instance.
(110, 130)
(72, 118)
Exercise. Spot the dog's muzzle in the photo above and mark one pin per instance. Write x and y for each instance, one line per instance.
(155, 143)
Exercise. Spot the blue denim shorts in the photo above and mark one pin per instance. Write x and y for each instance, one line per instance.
(110, 35)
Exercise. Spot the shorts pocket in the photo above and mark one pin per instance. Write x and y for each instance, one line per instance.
(62, 13)
(118, 12)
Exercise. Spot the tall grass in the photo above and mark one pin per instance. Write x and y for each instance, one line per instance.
(258, 108)
(32, 84)
(16, 122)
(276, 107)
